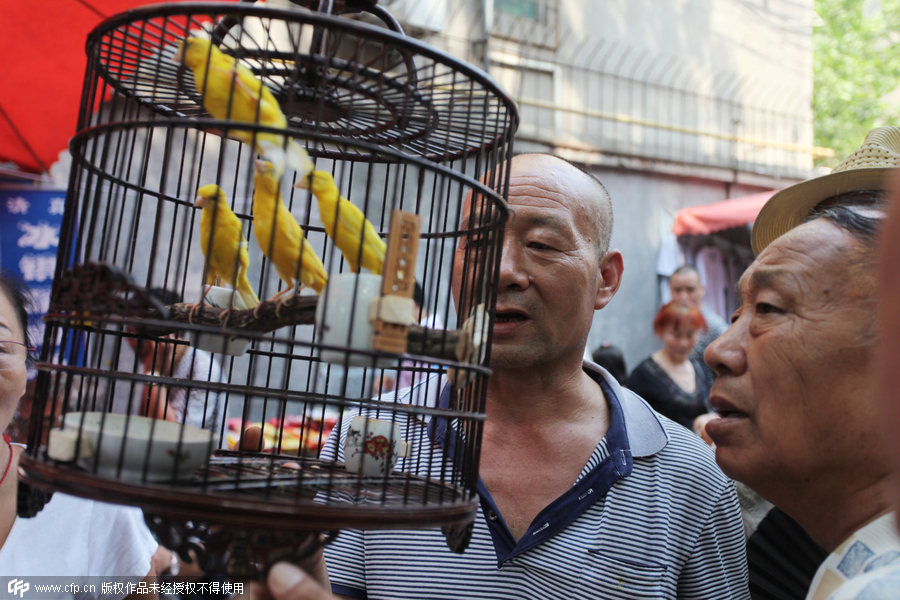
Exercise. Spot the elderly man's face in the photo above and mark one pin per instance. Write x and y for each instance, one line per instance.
(550, 274)
(794, 388)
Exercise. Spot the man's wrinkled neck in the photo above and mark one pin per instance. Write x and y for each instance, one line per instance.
(830, 516)
(555, 391)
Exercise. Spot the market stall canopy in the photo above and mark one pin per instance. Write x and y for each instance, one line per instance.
(45, 63)
(708, 218)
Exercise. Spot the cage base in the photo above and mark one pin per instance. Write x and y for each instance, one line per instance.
(235, 552)
(260, 493)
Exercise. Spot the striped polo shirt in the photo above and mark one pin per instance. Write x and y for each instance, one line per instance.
(650, 516)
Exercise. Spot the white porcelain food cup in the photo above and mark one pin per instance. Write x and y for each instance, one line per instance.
(349, 295)
(219, 297)
(373, 446)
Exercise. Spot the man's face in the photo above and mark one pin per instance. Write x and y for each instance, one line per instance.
(686, 288)
(889, 278)
(550, 274)
(794, 389)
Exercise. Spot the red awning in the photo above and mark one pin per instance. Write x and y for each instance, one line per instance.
(44, 63)
(707, 218)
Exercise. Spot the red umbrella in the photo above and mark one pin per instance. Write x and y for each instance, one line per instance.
(43, 48)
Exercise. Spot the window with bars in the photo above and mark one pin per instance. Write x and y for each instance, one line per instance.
(526, 9)
(534, 22)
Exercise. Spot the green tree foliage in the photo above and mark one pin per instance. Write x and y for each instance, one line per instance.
(857, 64)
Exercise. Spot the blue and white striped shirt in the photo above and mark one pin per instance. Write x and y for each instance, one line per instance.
(650, 516)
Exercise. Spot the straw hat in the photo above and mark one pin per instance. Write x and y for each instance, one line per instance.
(865, 169)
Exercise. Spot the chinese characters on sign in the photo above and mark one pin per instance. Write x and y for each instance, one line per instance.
(30, 222)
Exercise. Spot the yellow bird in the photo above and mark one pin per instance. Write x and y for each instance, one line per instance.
(279, 235)
(345, 224)
(231, 91)
(226, 253)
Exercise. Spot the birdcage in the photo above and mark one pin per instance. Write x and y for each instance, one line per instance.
(195, 361)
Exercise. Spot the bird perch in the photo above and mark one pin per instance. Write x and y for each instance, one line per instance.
(301, 310)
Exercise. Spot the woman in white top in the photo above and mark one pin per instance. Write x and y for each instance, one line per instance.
(70, 537)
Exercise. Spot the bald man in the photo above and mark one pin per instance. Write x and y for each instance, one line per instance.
(584, 490)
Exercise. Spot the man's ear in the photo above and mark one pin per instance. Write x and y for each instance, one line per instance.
(611, 268)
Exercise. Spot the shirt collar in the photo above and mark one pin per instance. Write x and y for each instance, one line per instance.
(639, 423)
(646, 434)
(631, 422)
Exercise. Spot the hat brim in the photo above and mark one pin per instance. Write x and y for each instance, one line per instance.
(791, 206)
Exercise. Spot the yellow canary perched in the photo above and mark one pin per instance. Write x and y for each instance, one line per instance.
(345, 224)
(226, 253)
(279, 235)
(231, 91)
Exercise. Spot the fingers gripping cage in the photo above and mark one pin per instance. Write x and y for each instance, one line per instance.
(162, 392)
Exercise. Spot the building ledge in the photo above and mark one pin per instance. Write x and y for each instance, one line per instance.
(594, 157)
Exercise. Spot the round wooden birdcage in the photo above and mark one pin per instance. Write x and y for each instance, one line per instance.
(245, 430)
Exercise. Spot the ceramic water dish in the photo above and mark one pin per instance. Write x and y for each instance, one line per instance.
(170, 450)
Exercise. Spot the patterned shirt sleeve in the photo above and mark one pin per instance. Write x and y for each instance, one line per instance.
(346, 560)
(719, 560)
(346, 555)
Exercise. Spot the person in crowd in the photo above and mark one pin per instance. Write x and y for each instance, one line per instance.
(669, 380)
(611, 358)
(172, 357)
(70, 536)
(797, 393)
(686, 288)
(583, 489)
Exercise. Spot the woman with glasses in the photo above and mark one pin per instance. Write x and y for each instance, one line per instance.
(70, 536)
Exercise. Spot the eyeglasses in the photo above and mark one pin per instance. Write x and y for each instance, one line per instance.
(13, 354)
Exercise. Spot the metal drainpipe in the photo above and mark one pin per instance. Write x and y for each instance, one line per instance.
(487, 22)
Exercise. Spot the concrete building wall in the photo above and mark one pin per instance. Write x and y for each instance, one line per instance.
(643, 206)
(725, 83)
(671, 103)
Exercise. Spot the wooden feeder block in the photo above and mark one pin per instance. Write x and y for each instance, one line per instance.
(393, 312)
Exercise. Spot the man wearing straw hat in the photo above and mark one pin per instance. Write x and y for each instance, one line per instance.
(795, 393)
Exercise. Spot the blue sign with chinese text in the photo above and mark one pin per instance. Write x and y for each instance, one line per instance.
(30, 221)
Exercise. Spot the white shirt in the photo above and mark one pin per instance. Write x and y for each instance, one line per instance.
(866, 566)
(74, 537)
